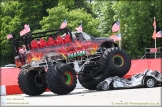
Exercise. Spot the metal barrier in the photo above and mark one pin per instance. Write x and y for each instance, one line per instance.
(152, 53)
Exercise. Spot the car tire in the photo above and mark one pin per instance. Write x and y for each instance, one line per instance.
(61, 78)
(31, 83)
(150, 82)
(115, 62)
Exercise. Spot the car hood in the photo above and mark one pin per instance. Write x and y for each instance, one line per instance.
(101, 38)
(104, 38)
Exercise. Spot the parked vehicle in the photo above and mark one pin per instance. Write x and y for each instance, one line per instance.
(66, 54)
(10, 66)
(147, 78)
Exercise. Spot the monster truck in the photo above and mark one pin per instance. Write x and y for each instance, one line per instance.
(54, 58)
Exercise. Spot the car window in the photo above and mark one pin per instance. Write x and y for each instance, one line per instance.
(82, 36)
(87, 36)
(79, 36)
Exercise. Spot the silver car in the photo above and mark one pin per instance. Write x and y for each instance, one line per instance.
(147, 78)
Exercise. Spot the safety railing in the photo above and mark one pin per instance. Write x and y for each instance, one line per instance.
(152, 53)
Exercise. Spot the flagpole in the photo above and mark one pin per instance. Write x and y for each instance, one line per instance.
(119, 43)
(155, 38)
(119, 33)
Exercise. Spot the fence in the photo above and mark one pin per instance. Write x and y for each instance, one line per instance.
(152, 53)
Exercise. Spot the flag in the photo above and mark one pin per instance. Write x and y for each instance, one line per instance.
(159, 34)
(113, 37)
(119, 36)
(64, 24)
(79, 29)
(9, 36)
(116, 37)
(116, 26)
(154, 33)
(22, 32)
(25, 30)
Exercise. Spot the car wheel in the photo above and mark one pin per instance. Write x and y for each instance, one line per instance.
(150, 82)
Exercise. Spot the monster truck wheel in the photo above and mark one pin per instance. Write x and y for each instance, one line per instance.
(61, 78)
(150, 82)
(115, 62)
(89, 81)
(31, 83)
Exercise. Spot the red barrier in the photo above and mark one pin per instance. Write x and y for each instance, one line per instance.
(9, 75)
(140, 65)
(13, 89)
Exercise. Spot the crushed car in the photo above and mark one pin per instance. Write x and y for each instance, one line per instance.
(147, 78)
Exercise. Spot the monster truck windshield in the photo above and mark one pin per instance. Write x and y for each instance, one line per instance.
(87, 36)
(82, 36)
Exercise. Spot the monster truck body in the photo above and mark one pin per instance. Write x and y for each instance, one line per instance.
(65, 54)
(80, 47)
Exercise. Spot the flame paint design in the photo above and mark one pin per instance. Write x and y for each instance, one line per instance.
(18, 62)
(36, 56)
(89, 47)
(28, 58)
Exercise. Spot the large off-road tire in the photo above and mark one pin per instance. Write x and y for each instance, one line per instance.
(115, 62)
(61, 78)
(31, 83)
(89, 81)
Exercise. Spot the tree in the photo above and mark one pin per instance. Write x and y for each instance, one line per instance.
(77, 4)
(74, 18)
(136, 19)
(14, 14)
(104, 11)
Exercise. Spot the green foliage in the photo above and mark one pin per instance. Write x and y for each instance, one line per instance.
(14, 14)
(74, 18)
(77, 4)
(97, 17)
(136, 19)
(105, 14)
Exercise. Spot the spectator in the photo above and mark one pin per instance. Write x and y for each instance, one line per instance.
(22, 52)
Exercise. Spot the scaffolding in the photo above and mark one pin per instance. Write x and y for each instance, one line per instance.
(152, 53)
